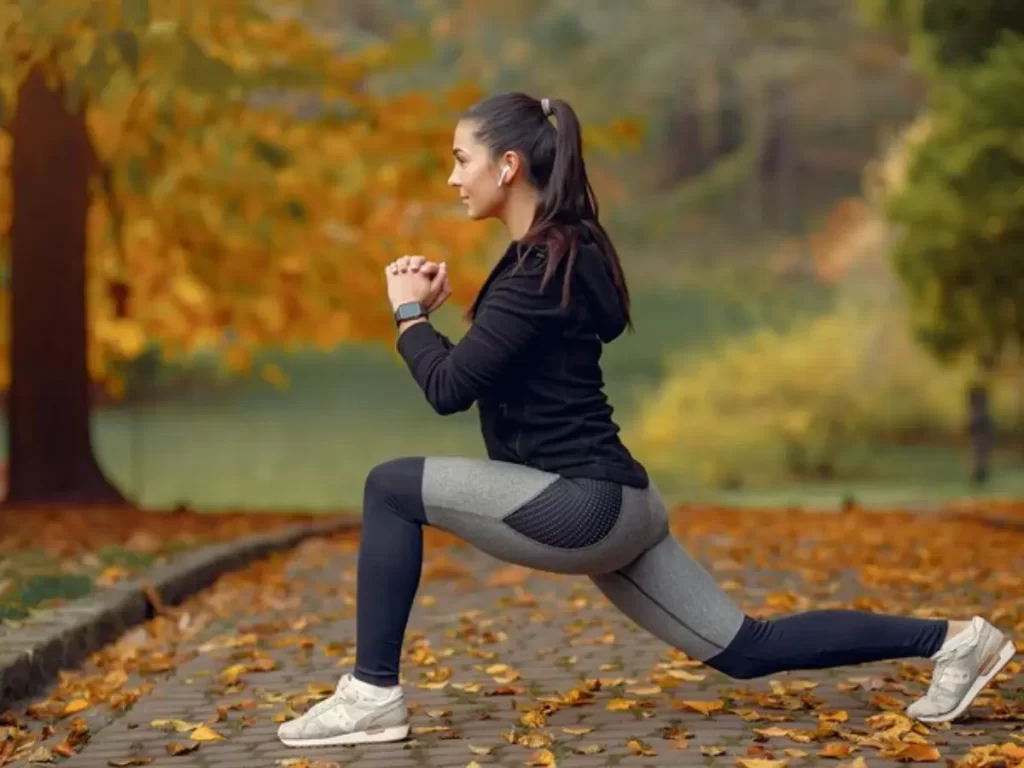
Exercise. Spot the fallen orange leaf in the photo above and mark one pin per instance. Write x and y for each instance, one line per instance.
(912, 753)
(77, 705)
(641, 748)
(836, 749)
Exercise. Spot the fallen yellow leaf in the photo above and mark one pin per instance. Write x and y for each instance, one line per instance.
(646, 690)
(687, 677)
(41, 755)
(620, 705)
(180, 726)
(205, 733)
(534, 739)
(571, 731)
(704, 707)
(533, 719)
(772, 732)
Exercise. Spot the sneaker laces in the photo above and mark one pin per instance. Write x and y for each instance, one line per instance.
(325, 703)
(944, 664)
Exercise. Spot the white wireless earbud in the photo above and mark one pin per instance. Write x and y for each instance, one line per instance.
(501, 178)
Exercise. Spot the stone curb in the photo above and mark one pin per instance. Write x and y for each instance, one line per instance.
(31, 656)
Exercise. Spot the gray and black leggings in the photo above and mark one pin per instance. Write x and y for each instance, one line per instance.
(614, 534)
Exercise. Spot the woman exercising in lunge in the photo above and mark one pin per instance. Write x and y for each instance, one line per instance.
(560, 492)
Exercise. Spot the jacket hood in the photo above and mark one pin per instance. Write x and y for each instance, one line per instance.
(593, 273)
(598, 282)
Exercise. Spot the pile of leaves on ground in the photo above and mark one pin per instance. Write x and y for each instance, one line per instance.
(773, 561)
(49, 556)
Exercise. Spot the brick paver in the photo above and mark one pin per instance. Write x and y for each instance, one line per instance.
(484, 659)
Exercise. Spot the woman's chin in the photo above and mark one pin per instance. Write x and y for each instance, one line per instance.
(479, 214)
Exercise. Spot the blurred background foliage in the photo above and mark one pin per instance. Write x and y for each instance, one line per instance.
(818, 201)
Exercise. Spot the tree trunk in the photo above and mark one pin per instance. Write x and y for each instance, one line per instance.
(1020, 394)
(731, 130)
(49, 445)
(981, 428)
(778, 171)
(688, 156)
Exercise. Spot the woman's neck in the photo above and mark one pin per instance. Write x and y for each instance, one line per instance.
(520, 212)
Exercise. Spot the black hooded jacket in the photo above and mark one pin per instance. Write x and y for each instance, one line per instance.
(533, 367)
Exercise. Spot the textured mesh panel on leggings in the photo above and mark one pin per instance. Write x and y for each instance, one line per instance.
(569, 513)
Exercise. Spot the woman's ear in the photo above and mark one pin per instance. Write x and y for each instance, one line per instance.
(512, 161)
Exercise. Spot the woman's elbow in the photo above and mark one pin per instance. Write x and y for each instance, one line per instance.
(448, 403)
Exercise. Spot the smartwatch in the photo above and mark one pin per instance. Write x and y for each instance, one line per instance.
(409, 310)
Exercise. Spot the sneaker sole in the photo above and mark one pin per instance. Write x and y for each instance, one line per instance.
(1001, 660)
(393, 733)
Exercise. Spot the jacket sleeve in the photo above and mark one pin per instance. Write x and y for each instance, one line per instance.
(512, 318)
(445, 341)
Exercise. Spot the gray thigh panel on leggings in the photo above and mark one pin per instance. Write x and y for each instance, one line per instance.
(470, 497)
(673, 597)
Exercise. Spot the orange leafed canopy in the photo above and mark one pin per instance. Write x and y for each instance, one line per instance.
(257, 183)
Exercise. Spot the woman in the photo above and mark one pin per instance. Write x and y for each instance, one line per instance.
(560, 492)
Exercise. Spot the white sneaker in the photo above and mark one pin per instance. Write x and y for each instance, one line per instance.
(962, 671)
(349, 716)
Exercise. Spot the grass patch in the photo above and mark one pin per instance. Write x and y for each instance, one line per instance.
(309, 448)
(56, 555)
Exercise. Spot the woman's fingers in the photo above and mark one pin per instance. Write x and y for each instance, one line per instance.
(409, 263)
(440, 287)
(440, 278)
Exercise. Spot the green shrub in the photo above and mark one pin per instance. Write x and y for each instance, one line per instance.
(805, 403)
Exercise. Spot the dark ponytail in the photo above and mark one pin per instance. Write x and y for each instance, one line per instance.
(553, 160)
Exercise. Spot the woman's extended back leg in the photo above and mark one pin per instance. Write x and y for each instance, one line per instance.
(672, 596)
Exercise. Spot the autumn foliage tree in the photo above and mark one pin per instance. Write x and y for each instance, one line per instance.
(955, 198)
(186, 175)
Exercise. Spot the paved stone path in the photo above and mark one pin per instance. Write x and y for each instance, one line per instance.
(505, 668)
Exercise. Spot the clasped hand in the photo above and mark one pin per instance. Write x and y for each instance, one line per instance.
(413, 278)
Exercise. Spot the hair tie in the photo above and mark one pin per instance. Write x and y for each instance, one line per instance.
(545, 104)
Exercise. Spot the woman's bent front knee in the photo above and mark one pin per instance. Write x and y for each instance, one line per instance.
(396, 487)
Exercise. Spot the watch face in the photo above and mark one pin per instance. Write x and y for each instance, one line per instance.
(409, 310)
